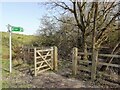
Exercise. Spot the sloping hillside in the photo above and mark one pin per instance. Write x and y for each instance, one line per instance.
(17, 40)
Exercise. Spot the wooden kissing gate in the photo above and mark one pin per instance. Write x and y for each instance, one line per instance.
(45, 59)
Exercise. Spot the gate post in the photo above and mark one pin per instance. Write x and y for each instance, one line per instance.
(55, 58)
(35, 73)
(74, 60)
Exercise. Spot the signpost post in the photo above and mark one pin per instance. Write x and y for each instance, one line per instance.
(10, 30)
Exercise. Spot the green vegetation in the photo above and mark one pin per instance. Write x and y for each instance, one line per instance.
(5, 72)
(17, 41)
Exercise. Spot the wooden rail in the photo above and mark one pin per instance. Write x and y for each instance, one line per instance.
(101, 63)
(77, 57)
(107, 64)
(103, 55)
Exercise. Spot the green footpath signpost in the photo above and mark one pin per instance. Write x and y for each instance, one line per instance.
(12, 29)
(17, 29)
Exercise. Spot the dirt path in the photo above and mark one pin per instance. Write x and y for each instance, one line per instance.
(45, 80)
(21, 78)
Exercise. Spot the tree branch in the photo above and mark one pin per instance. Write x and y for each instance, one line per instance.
(64, 7)
(76, 18)
(81, 15)
(63, 21)
(107, 25)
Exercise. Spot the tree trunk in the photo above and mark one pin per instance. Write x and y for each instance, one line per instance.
(94, 48)
(84, 45)
(94, 62)
(85, 51)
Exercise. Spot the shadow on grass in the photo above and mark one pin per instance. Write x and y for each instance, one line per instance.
(5, 70)
(24, 69)
(17, 65)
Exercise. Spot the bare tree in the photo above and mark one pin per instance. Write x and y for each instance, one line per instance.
(88, 21)
(102, 24)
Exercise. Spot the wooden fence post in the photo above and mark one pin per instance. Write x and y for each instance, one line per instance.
(74, 60)
(55, 58)
(35, 73)
(52, 58)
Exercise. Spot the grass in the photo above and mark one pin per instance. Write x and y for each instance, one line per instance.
(8, 78)
(6, 73)
(5, 67)
(17, 40)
